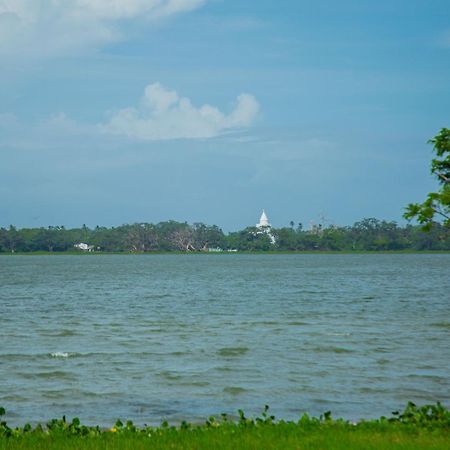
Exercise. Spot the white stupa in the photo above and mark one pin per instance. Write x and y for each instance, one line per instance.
(264, 227)
(263, 221)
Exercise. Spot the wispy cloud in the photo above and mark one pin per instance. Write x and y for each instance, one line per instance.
(163, 114)
(46, 28)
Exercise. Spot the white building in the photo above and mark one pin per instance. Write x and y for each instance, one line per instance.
(265, 227)
(263, 221)
(84, 247)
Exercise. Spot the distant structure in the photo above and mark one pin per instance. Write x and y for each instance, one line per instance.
(84, 247)
(263, 221)
(265, 227)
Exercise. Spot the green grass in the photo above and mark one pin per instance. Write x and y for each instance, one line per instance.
(280, 436)
(427, 427)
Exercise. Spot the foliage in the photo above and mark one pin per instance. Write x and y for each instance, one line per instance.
(417, 427)
(368, 234)
(424, 416)
(437, 204)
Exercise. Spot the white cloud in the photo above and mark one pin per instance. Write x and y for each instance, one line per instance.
(163, 114)
(40, 28)
(61, 126)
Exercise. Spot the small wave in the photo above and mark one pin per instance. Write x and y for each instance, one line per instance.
(170, 375)
(54, 393)
(60, 333)
(232, 351)
(333, 350)
(383, 361)
(178, 353)
(196, 383)
(426, 367)
(64, 333)
(100, 355)
(157, 296)
(53, 375)
(434, 378)
(224, 369)
(382, 350)
(234, 390)
(340, 350)
(100, 395)
(60, 354)
(338, 334)
(17, 356)
(445, 325)
(370, 390)
(14, 398)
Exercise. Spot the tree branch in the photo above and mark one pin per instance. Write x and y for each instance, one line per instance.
(438, 211)
(440, 175)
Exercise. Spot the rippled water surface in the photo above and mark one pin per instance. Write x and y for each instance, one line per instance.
(152, 337)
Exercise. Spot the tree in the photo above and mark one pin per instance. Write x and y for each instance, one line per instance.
(286, 238)
(206, 236)
(437, 204)
(141, 237)
(13, 239)
(183, 238)
(250, 239)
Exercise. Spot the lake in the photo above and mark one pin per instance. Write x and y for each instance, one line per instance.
(154, 337)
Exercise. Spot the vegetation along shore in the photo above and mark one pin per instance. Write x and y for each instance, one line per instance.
(171, 236)
(415, 428)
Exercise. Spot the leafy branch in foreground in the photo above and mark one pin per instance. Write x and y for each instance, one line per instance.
(437, 204)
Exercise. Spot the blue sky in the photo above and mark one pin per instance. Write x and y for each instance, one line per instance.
(121, 111)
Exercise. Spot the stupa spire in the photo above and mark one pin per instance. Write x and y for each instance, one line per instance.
(263, 221)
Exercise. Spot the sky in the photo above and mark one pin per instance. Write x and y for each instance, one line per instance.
(124, 111)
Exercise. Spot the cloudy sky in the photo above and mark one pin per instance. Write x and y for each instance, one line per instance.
(121, 111)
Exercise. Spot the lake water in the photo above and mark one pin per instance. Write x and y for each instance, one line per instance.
(153, 337)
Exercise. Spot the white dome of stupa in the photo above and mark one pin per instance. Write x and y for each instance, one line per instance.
(263, 220)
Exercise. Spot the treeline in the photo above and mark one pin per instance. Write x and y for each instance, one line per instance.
(365, 235)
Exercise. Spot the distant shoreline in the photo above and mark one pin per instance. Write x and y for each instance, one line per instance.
(262, 252)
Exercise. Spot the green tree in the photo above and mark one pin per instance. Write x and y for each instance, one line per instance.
(285, 238)
(13, 239)
(140, 237)
(206, 236)
(249, 239)
(437, 204)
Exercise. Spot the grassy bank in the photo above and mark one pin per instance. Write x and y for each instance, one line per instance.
(279, 437)
(427, 427)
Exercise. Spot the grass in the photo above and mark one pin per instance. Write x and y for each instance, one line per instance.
(276, 437)
(427, 427)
